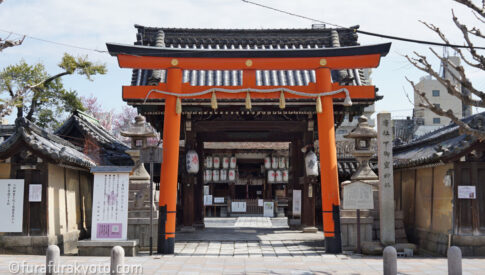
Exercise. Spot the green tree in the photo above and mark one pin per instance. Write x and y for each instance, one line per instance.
(39, 96)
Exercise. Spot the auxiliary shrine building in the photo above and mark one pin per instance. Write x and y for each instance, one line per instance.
(256, 107)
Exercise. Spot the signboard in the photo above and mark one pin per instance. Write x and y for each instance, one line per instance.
(219, 200)
(260, 202)
(467, 192)
(207, 199)
(206, 189)
(358, 195)
(11, 205)
(110, 206)
(268, 209)
(296, 202)
(35, 192)
(238, 206)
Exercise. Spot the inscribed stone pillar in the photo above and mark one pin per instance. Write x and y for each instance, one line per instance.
(386, 182)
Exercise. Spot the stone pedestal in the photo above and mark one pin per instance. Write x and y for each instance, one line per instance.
(103, 248)
(139, 205)
(348, 225)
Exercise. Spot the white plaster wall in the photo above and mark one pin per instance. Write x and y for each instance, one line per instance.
(57, 201)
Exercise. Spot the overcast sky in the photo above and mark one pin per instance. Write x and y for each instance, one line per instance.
(92, 23)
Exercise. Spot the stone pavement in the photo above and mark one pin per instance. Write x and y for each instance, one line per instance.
(198, 265)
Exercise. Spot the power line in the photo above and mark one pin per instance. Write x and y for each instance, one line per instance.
(54, 42)
(410, 40)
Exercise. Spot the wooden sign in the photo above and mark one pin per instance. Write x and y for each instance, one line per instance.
(296, 202)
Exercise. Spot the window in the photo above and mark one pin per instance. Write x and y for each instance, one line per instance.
(436, 120)
(436, 92)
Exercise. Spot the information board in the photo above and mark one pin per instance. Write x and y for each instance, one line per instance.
(268, 209)
(207, 199)
(110, 206)
(358, 195)
(238, 206)
(467, 192)
(35, 192)
(11, 205)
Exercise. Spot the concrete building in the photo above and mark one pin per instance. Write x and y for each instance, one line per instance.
(438, 95)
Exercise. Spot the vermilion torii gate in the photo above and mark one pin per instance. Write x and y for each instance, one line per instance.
(174, 91)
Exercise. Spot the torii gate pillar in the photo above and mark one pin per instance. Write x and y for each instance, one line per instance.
(169, 173)
(328, 165)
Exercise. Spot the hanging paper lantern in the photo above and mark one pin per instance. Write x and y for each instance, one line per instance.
(281, 163)
(279, 176)
(208, 162)
(208, 175)
(311, 164)
(267, 162)
(232, 175)
(223, 175)
(274, 162)
(285, 175)
(192, 162)
(225, 162)
(215, 175)
(271, 176)
(233, 162)
(216, 161)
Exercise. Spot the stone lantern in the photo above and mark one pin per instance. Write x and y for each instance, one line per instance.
(140, 204)
(363, 135)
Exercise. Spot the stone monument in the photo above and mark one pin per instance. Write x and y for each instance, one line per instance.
(139, 206)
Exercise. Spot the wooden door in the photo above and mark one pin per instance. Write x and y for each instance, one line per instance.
(470, 213)
(35, 213)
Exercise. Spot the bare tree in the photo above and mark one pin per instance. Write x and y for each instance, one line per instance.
(471, 56)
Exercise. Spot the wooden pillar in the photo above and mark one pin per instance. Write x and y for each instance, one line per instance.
(189, 184)
(169, 173)
(198, 206)
(328, 166)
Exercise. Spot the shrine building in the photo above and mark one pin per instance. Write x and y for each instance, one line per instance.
(257, 107)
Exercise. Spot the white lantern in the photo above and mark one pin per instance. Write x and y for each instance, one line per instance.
(223, 175)
(279, 176)
(208, 162)
(225, 162)
(285, 175)
(311, 164)
(232, 175)
(271, 176)
(233, 162)
(216, 161)
(281, 163)
(274, 162)
(267, 162)
(192, 162)
(208, 175)
(215, 175)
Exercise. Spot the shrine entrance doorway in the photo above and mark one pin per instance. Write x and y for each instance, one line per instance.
(246, 90)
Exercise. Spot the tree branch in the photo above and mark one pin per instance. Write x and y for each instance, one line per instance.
(472, 6)
(423, 65)
(10, 43)
(478, 57)
(464, 127)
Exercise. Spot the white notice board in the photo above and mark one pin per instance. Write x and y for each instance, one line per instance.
(467, 192)
(296, 202)
(268, 209)
(110, 206)
(207, 199)
(238, 206)
(11, 205)
(35, 192)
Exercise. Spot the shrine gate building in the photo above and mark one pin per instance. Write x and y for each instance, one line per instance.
(254, 90)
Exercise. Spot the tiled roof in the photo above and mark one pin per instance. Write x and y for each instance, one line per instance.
(45, 144)
(439, 145)
(113, 152)
(247, 39)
